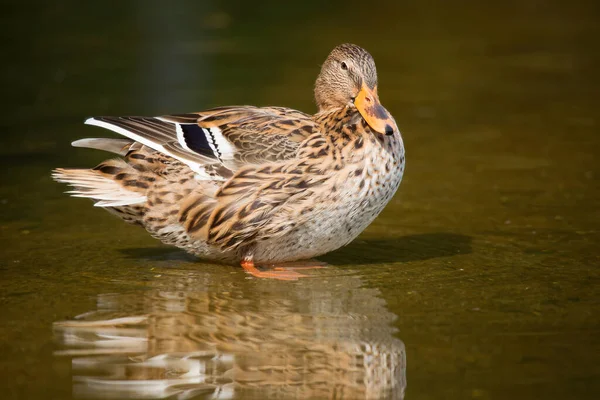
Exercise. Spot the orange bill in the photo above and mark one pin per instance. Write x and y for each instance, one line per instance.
(378, 118)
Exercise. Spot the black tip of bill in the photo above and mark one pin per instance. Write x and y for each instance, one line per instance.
(389, 130)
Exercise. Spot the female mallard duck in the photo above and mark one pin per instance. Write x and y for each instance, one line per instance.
(255, 185)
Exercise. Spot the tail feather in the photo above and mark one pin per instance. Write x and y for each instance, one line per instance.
(117, 146)
(99, 186)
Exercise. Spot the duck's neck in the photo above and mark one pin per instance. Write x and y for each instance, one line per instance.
(334, 110)
(344, 128)
(334, 119)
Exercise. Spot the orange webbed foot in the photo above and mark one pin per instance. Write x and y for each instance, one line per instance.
(284, 271)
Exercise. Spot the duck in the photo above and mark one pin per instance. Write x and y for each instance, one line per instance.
(261, 187)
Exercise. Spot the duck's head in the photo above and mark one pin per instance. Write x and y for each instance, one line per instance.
(349, 78)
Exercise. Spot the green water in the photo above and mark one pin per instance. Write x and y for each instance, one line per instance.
(479, 280)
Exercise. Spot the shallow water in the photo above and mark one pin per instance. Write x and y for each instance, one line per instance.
(479, 280)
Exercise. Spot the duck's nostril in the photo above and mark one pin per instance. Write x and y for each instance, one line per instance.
(389, 130)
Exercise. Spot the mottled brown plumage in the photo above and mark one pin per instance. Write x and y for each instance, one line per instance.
(255, 185)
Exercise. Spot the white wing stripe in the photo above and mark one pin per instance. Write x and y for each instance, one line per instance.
(220, 144)
(180, 138)
(211, 142)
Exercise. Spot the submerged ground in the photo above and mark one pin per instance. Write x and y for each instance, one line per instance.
(479, 280)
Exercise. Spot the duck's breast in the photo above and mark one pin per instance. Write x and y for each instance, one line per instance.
(347, 202)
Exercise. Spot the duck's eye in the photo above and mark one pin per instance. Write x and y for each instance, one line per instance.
(344, 66)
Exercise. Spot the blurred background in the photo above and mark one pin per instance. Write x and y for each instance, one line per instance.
(479, 280)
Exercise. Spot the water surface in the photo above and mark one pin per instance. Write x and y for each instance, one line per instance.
(479, 280)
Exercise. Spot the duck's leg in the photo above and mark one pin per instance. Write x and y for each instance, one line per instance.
(284, 271)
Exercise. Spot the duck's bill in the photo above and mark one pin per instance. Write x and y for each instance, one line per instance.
(378, 118)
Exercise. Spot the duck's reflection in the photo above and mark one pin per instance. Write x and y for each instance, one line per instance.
(188, 338)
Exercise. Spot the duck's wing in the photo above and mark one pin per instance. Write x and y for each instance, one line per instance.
(262, 202)
(247, 135)
(231, 136)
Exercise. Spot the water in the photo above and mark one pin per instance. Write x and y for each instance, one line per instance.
(479, 280)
